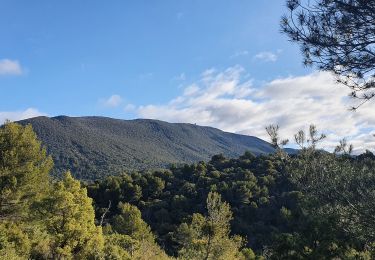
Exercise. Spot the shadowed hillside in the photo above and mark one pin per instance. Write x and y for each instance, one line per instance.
(92, 147)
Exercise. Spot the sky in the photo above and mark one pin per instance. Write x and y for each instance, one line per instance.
(212, 62)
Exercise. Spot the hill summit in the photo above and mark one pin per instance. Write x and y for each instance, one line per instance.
(93, 147)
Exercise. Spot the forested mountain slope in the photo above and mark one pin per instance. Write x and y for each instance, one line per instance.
(92, 147)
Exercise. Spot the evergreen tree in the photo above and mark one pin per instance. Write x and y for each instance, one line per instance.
(129, 222)
(130, 236)
(69, 218)
(24, 169)
(24, 180)
(208, 237)
(336, 36)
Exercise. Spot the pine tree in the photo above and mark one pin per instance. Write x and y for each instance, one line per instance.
(24, 169)
(130, 222)
(131, 237)
(24, 180)
(69, 218)
(208, 237)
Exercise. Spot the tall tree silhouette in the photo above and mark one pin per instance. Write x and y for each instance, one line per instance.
(337, 36)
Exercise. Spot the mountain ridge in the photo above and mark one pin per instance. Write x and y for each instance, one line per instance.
(94, 146)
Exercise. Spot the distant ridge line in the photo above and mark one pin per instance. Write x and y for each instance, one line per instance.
(93, 147)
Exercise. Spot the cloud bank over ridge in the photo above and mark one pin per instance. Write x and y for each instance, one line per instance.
(19, 115)
(229, 101)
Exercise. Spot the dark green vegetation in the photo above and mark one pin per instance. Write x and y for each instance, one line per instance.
(314, 205)
(93, 147)
(46, 219)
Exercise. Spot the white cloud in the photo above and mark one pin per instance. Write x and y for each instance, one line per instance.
(266, 56)
(10, 67)
(129, 108)
(112, 101)
(226, 101)
(239, 54)
(20, 115)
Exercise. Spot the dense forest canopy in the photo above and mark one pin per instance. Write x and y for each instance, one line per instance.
(314, 205)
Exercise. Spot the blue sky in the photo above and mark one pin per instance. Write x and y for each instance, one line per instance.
(76, 52)
(158, 59)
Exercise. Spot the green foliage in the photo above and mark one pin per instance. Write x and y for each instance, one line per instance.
(282, 206)
(312, 205)
(337, 203)
(339, 193)
(14, 243)
(24, 168)
(336, 36)
(24, 180)
(130, 237)
(69, 218)
(129, 222)
(44, 219)
(118, 246)
(208, 237)
(251, 185)
(96, 147)
(248, 254)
